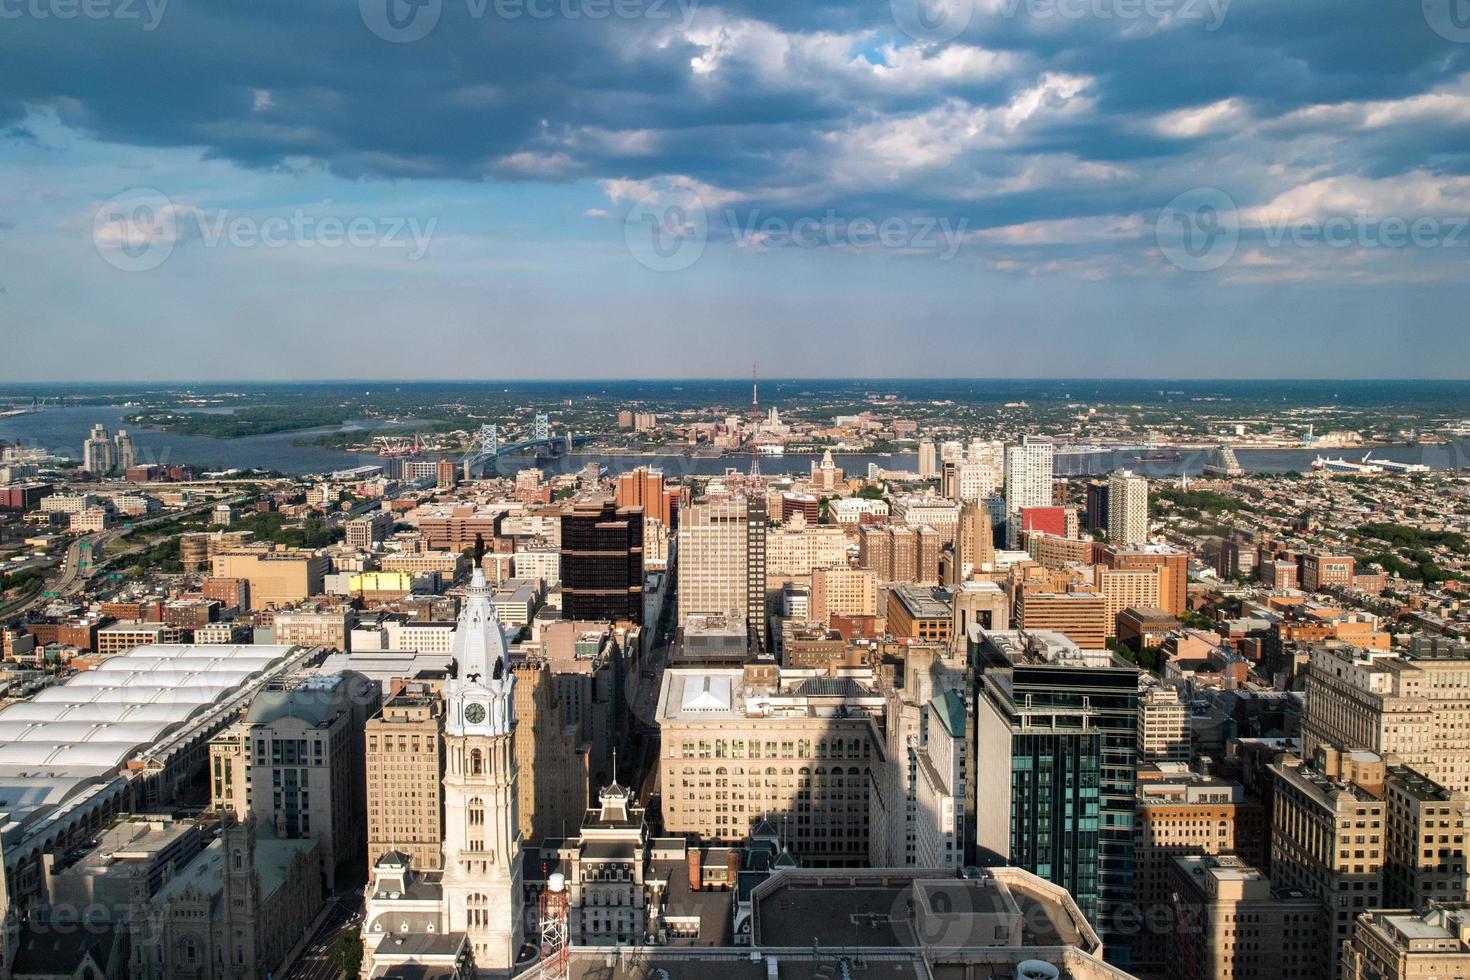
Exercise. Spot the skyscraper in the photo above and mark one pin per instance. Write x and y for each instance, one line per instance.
(1127, 509)
(98, 452)
(127, 456)
(713, 575)
(1056, 746)
(755, 572)
(602, 562)
(975, 540)
(1028, 475)
(644, 487)
(928, 460)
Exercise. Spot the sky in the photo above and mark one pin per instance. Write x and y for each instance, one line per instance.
(284, 189)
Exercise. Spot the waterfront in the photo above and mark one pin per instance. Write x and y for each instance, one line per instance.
(62, 430)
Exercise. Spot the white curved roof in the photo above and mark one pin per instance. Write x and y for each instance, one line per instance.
(101, 718)
(68, 754)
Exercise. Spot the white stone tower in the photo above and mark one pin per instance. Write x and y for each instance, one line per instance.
(482, 842)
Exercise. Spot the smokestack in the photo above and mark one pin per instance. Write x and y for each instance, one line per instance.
(696, 868)
(732, 867)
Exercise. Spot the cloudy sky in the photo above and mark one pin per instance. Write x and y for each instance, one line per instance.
(650, 188)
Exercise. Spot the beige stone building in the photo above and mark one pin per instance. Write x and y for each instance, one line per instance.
(1178, 813)
(1236, 925)
(329, 628)
(1328, 840)
(1404, 944)
(743, 744)
(712, 559)
(550, 754)
(1081, 616)
(1412, 705)
(280, 577)
(405, 769)
(1425, 861)
(1163, 726)
(792, 552)
(1124, 588)
(843, 592)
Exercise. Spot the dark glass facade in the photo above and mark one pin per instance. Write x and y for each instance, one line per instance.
(602, 563)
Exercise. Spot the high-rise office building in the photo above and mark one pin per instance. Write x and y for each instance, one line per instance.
(755, 573)
(644, 487)
(928, 460)
(1097, 505)
(1172, 563)
(974, 543)
(1127, 509)
(1239, 924)
(1056, 746)
(1163, 727)
(713, 576)
(405, 771)
(297, 761)
(1410, 704)
(602, 563)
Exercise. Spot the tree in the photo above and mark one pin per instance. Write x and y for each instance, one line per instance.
(349, 953)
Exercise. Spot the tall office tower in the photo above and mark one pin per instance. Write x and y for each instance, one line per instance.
(1097, 505)
(1173, 566)
(1127, 509)
(445, 474)
(482, 834)
(817, 746)
(1056, 744)
(927, 548)
(602, 563)
(127, 454)
(405, 772)
(1163, 726)
(1182, 813)
(298, 763)
(1028, 473)
(644, 487)
(755, 573)
(712, 561)
(875, 547)
(1239, 925)
(99, 455)
(1411, 705)
(928, 460)
(549, 753)
(975, 541)
(1327, 840)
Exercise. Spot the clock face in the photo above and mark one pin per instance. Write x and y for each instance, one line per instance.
(474, 713)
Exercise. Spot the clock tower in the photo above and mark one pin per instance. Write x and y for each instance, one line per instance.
(482, 842)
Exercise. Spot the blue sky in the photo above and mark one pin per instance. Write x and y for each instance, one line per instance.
(655, 188)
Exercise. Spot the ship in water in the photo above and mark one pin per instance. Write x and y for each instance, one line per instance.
(1363, 467)
(1159, 458)
(1222, 462)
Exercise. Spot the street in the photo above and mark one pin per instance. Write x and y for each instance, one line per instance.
(319, 960)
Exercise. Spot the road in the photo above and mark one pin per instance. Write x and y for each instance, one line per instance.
(72, 580)
(319, 960)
